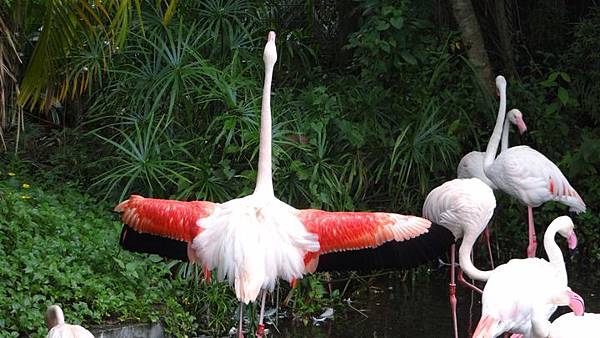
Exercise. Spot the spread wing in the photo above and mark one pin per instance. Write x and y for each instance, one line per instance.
(167, 218)
(341, 231)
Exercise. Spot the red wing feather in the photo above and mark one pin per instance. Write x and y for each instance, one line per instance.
(168, 218)
(339, 231)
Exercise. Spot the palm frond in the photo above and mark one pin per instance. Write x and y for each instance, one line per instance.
(9, 58)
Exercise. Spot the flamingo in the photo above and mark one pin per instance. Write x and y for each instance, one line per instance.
(55, 320)
(523, 291)
(571, 325)
(526, 174)
(471, 165)
(254, 240)
(463, 206)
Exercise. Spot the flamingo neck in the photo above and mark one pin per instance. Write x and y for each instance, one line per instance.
(264, 179)
(540, 327)
(505, 131)
(492, 147)
(54, 316)
(464, 259)
(555, 256)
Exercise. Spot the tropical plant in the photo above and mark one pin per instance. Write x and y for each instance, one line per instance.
(145, 158)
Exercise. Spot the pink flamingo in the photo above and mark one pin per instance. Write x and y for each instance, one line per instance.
(254, 240)
(524, 291)
(463, 206)
(55, 320)
(471, 165)
(526, 174)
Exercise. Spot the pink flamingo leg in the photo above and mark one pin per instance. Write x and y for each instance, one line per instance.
(240, 332)
(462, 279)
(261, 327)
(531, 249)
(486, 234)
(452, 289)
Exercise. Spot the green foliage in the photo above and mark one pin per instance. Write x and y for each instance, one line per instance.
(142, 159)
(61, 247)
(390, 32)
(310, 297)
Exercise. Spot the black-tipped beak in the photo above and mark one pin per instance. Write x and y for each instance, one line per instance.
(572, 253)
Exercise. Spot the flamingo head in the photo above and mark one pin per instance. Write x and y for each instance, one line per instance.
(516, 117)
(500, 84)
(567, 230)
(270, 53)
(54, 316)
(572, 299)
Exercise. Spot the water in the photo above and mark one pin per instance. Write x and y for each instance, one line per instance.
(418, 308)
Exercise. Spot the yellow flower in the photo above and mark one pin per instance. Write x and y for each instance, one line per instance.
(11, 174)
(25, 197)
(26, 186)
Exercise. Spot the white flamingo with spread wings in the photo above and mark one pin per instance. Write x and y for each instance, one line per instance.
(524, 291)
(463, 206)
(254, 240)
(526, 174)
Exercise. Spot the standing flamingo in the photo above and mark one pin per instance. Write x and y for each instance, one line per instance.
(471, 165)
(526, 174)
(254, 240)
(463, 206)
(526, 290)
(55, 320)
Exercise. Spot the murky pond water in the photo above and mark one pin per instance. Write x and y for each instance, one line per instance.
(418, 308)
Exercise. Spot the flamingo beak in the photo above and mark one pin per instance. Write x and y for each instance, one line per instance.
(576, 303)
(572, 241)
(521, 125)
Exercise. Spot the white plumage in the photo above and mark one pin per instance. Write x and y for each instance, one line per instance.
(463, 206)
(471, 165)
(252, 241)
(526, 174)
(571, 326)
(531, 177)
(522, 290)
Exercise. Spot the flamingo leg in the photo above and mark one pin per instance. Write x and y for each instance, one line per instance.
(486, 234)
(462, 279)
(240, 332)
(261, 327)
(452, 288)
(531, 248)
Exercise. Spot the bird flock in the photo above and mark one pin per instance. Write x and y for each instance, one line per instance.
(255, 240)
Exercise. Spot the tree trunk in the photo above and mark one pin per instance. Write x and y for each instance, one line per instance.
(471, 34)
(504, 33)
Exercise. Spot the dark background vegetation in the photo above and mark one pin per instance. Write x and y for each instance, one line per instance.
(374, 103)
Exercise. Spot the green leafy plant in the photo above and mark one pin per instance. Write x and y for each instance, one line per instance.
(146, 159)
